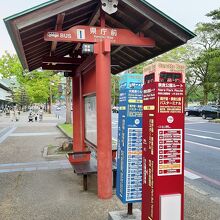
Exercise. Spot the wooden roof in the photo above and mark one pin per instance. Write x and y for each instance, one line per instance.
(27, 28)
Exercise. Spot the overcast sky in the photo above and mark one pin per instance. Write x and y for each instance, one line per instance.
(186, 12)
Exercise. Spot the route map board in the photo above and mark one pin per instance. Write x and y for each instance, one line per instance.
(129, 147)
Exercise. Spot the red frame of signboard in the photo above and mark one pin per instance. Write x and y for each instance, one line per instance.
(163, 137)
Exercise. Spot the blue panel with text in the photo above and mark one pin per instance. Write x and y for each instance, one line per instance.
(129, 145)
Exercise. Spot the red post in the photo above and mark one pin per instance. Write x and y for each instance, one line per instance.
(104, 133)
(76, 114)
(163, 142)
(82, 114)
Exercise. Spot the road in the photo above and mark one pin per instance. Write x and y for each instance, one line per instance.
(202, 153)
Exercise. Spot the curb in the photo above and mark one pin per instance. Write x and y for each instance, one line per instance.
(45, 155)
(58, 126)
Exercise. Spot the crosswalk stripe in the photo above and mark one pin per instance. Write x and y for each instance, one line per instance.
(191, 176)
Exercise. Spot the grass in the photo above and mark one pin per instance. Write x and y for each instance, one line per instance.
(216, 120)
(67, 128)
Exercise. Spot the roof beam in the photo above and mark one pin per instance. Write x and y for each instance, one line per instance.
(49, 11)
(155, 17)
(59, 67)
(86, 64)
(93, 19)
(95, 16)
(143, 26)
(58, 27)
(116, 22)
(62, 60)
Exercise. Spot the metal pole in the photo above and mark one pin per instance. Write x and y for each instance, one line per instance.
(130, 208)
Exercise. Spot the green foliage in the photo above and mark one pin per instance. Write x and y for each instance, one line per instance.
(10, 66)
(202, 59)
(33, 87)
(214, 26)
(205, 65)
(115, 89)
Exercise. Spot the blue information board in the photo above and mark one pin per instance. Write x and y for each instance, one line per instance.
(129, 145)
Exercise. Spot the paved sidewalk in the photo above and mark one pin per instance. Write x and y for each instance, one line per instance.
(36, 188)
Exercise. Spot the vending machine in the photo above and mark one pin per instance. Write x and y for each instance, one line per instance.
(163, 141)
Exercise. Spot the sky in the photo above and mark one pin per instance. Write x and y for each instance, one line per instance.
(186, 12)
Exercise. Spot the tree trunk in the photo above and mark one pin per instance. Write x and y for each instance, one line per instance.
(205, 99)
(68, 100)
(186, 100)
(50, 100)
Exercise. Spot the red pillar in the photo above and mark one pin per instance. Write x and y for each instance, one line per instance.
(76, 114)
(82, 115)
(104, 132)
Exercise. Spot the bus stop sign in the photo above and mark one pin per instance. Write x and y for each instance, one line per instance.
(163, 142)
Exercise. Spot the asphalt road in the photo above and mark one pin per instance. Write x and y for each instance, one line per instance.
(202, 153)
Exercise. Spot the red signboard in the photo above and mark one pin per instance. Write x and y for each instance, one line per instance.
(163, 144)
(92, 34)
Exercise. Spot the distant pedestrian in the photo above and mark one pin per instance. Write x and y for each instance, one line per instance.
(35, 117)
(40, 113)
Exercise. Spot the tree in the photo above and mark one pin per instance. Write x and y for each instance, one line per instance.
(182, 54)
(205, 65)
(37, 85)
(68, 100)
(115, 89)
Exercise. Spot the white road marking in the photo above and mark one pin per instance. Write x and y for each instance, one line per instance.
(2, 138)
(191, 176)
(204, 137)
(202, 131)
(3, 130)
(187, 152)
(34, 134)
(204, 145)
(193, 123)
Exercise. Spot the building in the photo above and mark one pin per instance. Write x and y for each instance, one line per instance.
(5, 94)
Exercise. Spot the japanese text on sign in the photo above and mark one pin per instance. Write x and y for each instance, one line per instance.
(169, 152)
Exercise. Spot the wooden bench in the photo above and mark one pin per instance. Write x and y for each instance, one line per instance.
(87, 166)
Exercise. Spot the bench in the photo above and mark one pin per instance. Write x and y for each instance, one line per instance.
(84, 165)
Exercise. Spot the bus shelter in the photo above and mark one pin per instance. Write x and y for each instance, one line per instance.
(89, 43)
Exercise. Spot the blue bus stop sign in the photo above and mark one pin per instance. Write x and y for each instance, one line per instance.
(129, 146)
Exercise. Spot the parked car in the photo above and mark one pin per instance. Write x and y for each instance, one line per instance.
(115, 109)
(211, 111)
(193, 110)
